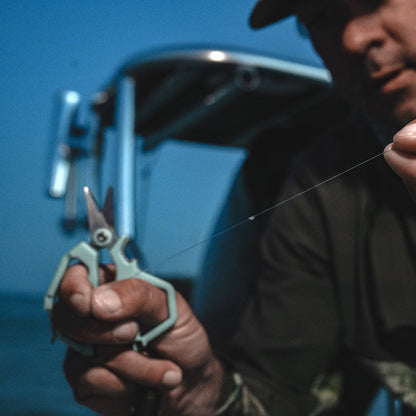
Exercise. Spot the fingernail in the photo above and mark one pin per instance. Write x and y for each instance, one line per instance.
(108, 300)
(126, 332)
(172, 378)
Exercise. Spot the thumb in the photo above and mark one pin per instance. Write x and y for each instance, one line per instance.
(401, 153)
(130, 299)
(401, 156)
(405, 139)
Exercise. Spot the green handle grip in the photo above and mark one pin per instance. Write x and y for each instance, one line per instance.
(88, 256)
(125, 269)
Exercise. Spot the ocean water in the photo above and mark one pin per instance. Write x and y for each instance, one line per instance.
(32, 382)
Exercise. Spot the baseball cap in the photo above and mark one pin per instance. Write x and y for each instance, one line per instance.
(266, 12)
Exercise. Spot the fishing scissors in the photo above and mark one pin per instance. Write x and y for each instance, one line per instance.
(103, 236)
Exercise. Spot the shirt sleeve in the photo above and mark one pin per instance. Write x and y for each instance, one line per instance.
(289, 334)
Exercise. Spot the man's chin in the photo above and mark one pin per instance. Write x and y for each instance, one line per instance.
(392, 117)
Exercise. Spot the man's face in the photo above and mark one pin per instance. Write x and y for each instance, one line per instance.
(369, 46)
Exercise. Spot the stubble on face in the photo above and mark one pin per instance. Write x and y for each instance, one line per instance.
(370, 50)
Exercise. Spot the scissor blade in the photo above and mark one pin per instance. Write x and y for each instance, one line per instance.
(108, 207)
(96, 218)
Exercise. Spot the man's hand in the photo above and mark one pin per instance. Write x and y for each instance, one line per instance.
(186, 372)
(401, 156)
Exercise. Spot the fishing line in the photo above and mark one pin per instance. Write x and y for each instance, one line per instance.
(265, 211)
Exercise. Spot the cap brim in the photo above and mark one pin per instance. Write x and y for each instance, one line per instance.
(267, 12)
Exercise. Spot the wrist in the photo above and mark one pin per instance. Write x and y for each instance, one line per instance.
(200, 392)
(217, 383)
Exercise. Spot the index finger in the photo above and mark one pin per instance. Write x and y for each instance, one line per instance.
(75, 288)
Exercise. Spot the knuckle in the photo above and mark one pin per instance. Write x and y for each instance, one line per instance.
(134, 292)
(138, 287)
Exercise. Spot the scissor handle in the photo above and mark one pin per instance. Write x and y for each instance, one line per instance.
(126, 269)
(88, 256)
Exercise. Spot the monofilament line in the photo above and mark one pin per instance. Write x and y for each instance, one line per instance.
(253, 217)
(265, 211)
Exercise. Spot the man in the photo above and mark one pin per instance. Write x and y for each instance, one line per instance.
(336, 291)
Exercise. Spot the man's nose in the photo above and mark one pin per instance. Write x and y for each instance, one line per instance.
(363, 32)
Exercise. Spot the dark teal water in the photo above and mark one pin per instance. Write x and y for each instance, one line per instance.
(32, 382)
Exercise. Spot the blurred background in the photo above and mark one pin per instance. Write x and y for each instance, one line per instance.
(50, 46)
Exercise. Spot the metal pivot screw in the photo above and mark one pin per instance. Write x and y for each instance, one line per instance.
(102, 237)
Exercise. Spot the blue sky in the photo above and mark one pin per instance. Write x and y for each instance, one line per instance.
(49, 46)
